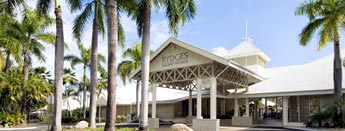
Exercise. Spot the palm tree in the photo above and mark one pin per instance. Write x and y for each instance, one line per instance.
(126, 67)
(177, 11)
(69, 81)
(326, 16)
(95, 9)
(84, 59)
(29, 31)
(43, 7)
(10, 45)
(112, 26)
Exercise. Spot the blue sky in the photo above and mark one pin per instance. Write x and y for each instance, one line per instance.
(219, 24)
(271, 23)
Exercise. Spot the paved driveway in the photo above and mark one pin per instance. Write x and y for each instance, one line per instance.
(252, 129)
(165, 128)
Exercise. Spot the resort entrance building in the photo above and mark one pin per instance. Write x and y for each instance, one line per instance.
(192, 86)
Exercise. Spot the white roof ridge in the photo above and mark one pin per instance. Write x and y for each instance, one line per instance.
(245, 48)
(307, 63)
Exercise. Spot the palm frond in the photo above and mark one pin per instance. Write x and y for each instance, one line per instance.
(178, 12)
(75, 60)
(36, 48)
(124, 69)
(310, 8)
(46, 37)
(138, 15)
(101, 58)
(8, 6)
(43, 6)
(122, 37)
(80, 22)
(308, 31)
(99, 16)
(74, 5)
(325, 35)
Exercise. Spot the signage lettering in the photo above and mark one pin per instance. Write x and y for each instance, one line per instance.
(175, 59)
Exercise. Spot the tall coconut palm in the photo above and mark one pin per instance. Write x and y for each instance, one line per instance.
(85, 60)
(112, 31)
(43, 6)
(178, 12)
(29, 31)
(328, 18)
(95, 6)
(95, 9)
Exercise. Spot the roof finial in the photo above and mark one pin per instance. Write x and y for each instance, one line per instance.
(246, 28)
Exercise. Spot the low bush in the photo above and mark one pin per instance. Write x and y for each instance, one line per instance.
(319, 117)
(120, 119)
(11, 118)
(69, 120)
(45, 118)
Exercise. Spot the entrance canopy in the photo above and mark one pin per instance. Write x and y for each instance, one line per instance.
(178, 65)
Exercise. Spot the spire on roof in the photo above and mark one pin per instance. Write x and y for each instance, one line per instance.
(246, 28)
(246, 48)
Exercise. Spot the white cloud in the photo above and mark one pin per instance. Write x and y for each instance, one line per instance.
(159, 33)
(220, 51)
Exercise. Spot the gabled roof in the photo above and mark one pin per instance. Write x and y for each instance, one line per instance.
(246, 48)
(310, 78)
(201, 52)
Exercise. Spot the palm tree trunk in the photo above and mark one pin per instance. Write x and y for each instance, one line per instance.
(25, 79)
(145, 64)
(68, 107)
(137, 99)
(93, 86)
(84, 93)
(112, 22)
(8, 61)
(337, 76)
(58, 69)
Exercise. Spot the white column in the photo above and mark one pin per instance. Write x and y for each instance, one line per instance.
(236, 107)
(154, 86)
(99, 113)
(138, 96)
(285, 110)
(198, 101)
(266, 112)
(213, 98)
(190, 104)
(247, 106)
(222, 110)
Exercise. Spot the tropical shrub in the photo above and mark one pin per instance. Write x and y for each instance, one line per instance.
(11, 90)
(319, 117)
(120, 119)
(69, 120)
(337, 111)
(45, 118)
(11, 119)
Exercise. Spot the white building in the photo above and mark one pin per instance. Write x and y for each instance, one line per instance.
(188, 83)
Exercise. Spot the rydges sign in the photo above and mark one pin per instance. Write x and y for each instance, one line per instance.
(179, 58)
